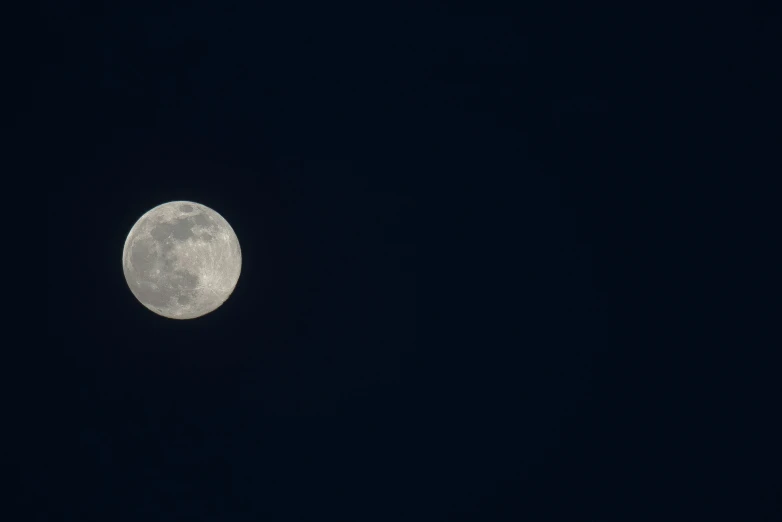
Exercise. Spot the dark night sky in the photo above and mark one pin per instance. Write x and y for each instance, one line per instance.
(452, 224)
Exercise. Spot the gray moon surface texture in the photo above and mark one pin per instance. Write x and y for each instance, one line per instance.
(182, 260)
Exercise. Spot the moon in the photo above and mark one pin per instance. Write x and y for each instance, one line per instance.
(182, 260)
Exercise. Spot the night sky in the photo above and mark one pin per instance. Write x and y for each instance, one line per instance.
(448, 215)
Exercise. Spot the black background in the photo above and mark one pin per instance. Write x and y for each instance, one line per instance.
(464, 294)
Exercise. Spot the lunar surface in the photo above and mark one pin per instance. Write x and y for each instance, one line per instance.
(182, 260)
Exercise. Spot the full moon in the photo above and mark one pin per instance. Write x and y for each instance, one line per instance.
(182, 260)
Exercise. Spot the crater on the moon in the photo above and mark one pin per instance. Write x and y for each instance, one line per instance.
(180, 229)
(143, 255)
(182, 280)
